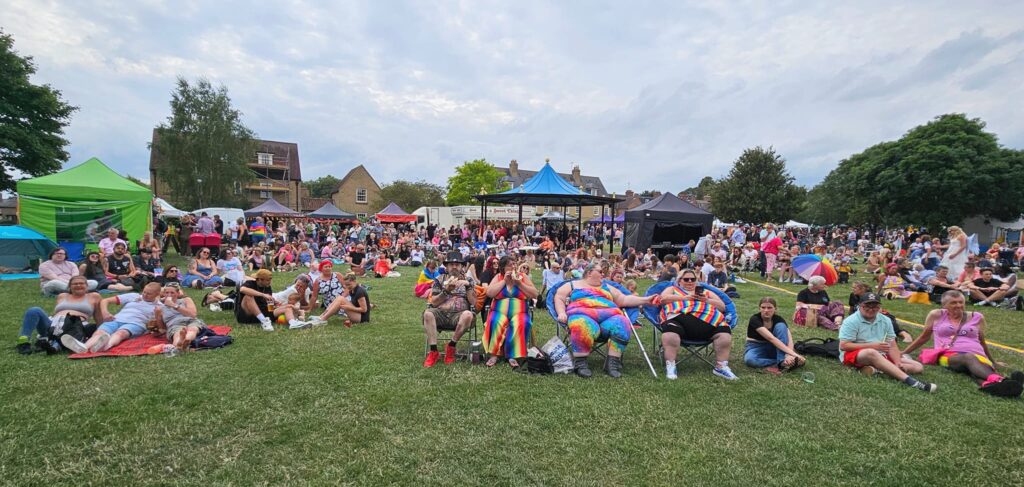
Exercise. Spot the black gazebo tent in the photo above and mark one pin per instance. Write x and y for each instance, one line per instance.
(546, 188)
(331, 212)
(665, 223)
(271, 208)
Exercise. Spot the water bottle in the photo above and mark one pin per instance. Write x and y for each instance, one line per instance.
(475, 353)
(170, 351)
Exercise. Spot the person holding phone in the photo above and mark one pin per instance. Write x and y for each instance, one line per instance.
(690, 312)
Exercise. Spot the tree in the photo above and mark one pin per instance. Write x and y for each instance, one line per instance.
(137, 181)
(203, 148)
(32, 120)
(322, 187)
(937, 174)
(702, 189)
(410, 194)
(757, 189)
(472, 177)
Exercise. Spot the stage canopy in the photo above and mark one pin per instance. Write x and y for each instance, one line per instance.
(329, 211)
(665, 220)
(395, 214)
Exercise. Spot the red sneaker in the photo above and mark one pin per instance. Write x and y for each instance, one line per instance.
(449, 354)
(431, 359)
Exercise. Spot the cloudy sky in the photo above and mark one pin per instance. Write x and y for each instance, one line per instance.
(646, 95)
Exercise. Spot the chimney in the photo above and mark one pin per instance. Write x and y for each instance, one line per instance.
(513, 169)
(576, 175)
(656, 194)
(629, 193)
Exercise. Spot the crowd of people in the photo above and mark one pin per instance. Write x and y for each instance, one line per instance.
(468, 269)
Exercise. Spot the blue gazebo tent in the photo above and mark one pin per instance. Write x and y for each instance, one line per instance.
(19, 246)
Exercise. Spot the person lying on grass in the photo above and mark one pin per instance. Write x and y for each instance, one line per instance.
(960, 346)
(177, 317)
(137, 310)
(769, 341)
(78, 302)
(867, 342)
(354, 302)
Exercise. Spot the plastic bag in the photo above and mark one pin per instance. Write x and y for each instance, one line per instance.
(561, 359)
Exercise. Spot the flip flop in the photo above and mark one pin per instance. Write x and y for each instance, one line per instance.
(491, 362)
(513, 363)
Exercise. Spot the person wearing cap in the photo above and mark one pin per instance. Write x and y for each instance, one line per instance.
(867, 342)
(257, 296)
(960, 346)
(550, 277)
(450, 307)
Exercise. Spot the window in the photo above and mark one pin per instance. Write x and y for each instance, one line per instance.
(361, 216)
(597, 211)
(361, 195)
(265, 194)
(264, 159)
(593, 191)
(264, 184)
(238, 187)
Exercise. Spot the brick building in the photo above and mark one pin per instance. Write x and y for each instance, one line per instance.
(357, 192)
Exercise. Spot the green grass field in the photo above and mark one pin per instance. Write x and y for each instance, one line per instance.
(354, 406)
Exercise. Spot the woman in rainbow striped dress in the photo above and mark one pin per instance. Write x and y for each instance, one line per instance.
(508, 325)
(592, 311)
(689, 315)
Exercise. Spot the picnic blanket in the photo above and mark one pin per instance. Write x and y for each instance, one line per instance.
(139, 345)
(14, 277)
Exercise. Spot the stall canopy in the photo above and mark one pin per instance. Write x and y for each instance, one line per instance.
(395, 214)
(79, 204)
(549, 189)
(271, 208)
(665, 220)
(20, 245)
(167, 210)
(552, 215)
(607, 219)
(329, 211)
(796, 224)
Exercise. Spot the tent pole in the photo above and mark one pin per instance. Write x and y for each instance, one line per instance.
(579, 224)
(564, 229)
(520, 215)
(611, 241)
(604, 225)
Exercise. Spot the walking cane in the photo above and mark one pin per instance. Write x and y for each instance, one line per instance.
(642, 349)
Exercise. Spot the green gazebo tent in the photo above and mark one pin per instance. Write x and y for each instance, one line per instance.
(80, 203)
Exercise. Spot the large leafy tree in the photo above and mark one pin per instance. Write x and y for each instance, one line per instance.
(204, 140)
(757, 189)
(322, 187)
(410, 195)
(32, 119)
(937, 174)
(470, 178)
(702, 189)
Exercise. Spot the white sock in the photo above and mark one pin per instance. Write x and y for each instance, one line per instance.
(723, 363)
(670, 363)
(261, 317)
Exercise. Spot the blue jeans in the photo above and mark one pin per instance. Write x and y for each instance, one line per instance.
(35, 319)
(763, 354)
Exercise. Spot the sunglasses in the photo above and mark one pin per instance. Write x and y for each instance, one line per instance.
(689, 279)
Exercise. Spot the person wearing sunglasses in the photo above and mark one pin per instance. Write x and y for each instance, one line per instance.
(867, 342)
(202, 272)
(691, 313)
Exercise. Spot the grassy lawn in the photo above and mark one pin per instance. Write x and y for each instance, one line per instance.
(354, 406)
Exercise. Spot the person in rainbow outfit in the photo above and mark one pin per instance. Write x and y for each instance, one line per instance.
(689, 315)
(426, 279)
(508, 325)
(257, 231)
(592, 311)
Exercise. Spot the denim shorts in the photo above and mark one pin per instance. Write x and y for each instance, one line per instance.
(133, 329)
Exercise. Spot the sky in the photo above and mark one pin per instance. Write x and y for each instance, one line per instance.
(645, 95)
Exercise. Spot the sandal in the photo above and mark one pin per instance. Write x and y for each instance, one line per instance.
(491, 362)
(787, 365)
(513, 363)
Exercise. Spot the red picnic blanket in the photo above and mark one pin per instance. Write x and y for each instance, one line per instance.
(139, 345)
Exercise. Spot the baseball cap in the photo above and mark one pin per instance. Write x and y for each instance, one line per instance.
(870, 298)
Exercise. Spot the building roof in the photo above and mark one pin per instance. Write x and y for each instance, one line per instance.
(8, 202)
(587, 182)
(352, 173)
(310, 204)
(284, 152)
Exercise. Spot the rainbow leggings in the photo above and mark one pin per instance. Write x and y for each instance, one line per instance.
(507, 328)
(587, 325)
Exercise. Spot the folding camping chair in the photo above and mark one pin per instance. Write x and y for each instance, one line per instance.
(701, 350)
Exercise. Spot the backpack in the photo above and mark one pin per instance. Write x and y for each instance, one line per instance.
(828, 347)
(207, 339)
(541, 364)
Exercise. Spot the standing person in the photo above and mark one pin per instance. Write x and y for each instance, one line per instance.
(867, 342)
(771, 253)
(55, 274)
(218, 225)
(956, 254)
(257, 231)
(508, 325)
(769, 341)
(77, 302)
(960, 346)
(205, 224)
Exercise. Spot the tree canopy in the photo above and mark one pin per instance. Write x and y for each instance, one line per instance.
(203, 148)
(322, 187)
(410, 195)
(32, 119)
(937, 174)
(702, 189)
(472, 177)
(757, 189)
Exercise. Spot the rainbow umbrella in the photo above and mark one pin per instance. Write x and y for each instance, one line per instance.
(810, 265)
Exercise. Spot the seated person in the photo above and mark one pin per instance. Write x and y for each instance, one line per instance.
(177, 317)
(106, 245)
(867, 342)
(969, 274)
(56, 273)
(78, 302)
(940, 283)
(426, 279)
(891, 284)
(416, 257)
(231, 268)
(507, 329)
(960, 346)
(451, 307)
(120, 268)
(691, 313)
(93, 270)
(305, 255)
(383, 265)
(355, 259)
(987, 290)
(719, 278)
(202, 271)
(769, 342)
(859, 291)
(829, 314)
(136, 313)
(146, 265)
(256, 299)
(354, 302)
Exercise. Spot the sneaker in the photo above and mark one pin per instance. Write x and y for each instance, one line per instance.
(23, 347)
(316, 321)
(266, 324)
(101, 343)
(927, 386)
(215, 307)
(1017, 376)
(45, 345)
(670, 371)
(298, 325)
(449, 354)
(868, 371)
(432, 358)
(72, 344)
(725, 372)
